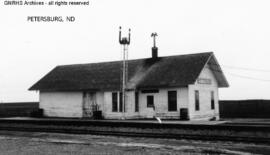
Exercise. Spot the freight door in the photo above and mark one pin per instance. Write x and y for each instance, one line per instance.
(89, 104)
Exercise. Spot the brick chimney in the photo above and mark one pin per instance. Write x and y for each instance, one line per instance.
(154, 52)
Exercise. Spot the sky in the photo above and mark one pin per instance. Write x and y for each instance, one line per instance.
(237, 31)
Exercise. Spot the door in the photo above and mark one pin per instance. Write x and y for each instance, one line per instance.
(151, 111)
(89, 104)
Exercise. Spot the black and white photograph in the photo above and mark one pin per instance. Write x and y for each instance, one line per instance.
(134, 77)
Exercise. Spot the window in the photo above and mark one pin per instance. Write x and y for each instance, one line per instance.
(150, 101)
(136, 101)
(120, 102)
(114, 102)
(172, 101)
(117, 102)
(212, 100)
(197, 100)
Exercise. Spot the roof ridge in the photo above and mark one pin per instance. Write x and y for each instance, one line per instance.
(117, 61)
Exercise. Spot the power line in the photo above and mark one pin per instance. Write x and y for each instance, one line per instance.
(248, 77)
(241, 76)
(240, 68)
(243, 68)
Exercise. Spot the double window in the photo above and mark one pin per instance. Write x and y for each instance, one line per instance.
(172, 101)
(117, 98)
(197, 100)
(117, 102)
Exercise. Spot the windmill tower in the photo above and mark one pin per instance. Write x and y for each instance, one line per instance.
(125, 43)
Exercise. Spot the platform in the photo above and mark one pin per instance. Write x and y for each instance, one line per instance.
(199, 122)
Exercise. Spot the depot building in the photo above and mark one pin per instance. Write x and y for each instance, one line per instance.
(171, 87)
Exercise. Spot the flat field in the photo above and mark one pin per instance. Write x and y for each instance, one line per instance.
(27, 143)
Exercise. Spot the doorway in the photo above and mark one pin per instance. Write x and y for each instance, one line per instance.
(89, 104)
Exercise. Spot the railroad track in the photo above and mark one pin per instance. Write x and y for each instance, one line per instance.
(66, 128)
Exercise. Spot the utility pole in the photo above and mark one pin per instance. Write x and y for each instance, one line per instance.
(125, 43)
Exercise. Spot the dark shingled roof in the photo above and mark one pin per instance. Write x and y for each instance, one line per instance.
(170, 71)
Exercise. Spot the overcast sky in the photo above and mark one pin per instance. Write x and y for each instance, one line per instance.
(237, 31)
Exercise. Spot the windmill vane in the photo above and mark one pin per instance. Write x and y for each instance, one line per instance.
(154, 35)
(124, 41)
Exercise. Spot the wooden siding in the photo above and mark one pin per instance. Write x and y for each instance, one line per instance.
(61, 104)
(205, 111)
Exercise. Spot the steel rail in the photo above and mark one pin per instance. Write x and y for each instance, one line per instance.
(139, 134)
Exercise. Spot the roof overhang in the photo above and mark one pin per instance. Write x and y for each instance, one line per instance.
(217, 71)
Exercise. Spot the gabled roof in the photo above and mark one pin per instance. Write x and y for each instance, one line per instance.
(171, 71)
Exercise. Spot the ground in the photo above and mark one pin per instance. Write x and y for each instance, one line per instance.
(27, 143)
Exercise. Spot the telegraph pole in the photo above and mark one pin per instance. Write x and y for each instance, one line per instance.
(125, 43)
